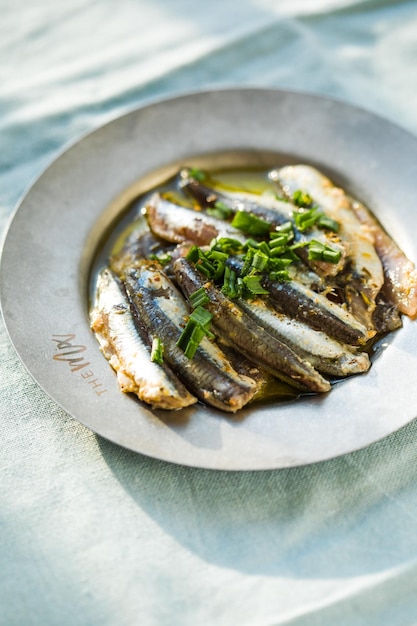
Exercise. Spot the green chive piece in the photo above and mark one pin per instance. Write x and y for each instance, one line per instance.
(251, 243)
(201, 316)
(230, 287)
(302, 199)
(305, 219)
(250, 224)
(217, 255)
(286, 227)
(163, 259)
(196, 328)
(220, 210)
(198, 174)
(199, 298)
(318, 251)
(327, 223)
(253, 285)
(279, 264)
(280, 275)
(196, 336)
(193, 254)
(315, 251)
(157, 351)
(260, 261)
(227, 245)
(280, 240)
(331, 256)
(247, 262)
(263, 247)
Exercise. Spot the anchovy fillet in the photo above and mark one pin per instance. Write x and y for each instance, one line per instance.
(400, 273)
(366, 277)
(298, 300)
(249, 337)
(127, 351)
(162, 309)
(267, 207)
(178, 224)
(324, 353)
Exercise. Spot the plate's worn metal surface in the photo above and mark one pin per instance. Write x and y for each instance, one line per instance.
(55, 231)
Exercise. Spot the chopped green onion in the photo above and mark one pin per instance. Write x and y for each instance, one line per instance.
(286, 227)
(226, 245)
(260, 261)
(193, 254)
(198, 174)
(253, 285)
(279, 240)
(280, 263)
(247, 262)
(231, 287)
(264, 248)
(305, 219)
(290, 254)
(199, 298)
(220, 210)
(277, 251)
(163, 259)
(217, 261)
(157, 351)
(302, 199)
(280, 275)
(328, 223)
(331, 256)
(202, 317)
(250, 224)
(318, 251)
(196, 328)
(217, 255)
(202, 262)
(251, 243)
(190, 339)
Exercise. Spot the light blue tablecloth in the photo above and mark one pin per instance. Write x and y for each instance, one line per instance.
(94, 535)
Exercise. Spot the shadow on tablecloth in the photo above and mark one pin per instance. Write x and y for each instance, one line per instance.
(346, 517)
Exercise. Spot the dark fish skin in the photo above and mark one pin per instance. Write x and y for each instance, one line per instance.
(161, 308)
(313, 309)
(386, 317)
(298, 301)
(248, 337)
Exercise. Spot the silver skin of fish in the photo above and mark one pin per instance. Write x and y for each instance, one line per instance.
(367, 268)
(324, 353)
(245, 335)
(163, 310)
(178, 224)
(128, 353)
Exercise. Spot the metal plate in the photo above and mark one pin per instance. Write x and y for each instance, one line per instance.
(56, 229)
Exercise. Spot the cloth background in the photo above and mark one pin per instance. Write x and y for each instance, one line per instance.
(92, 534)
